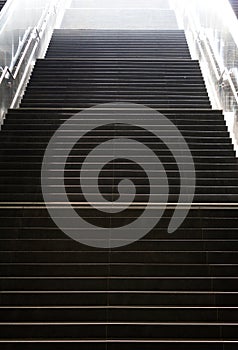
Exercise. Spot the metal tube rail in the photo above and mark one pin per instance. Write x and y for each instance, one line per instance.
(12, 82)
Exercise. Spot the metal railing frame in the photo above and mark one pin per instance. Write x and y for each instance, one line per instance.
(34, 45)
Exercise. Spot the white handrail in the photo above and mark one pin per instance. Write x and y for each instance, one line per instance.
(213, 62)
(4, 12)
(207, 51)
(13, 81)
(7, 70)
(36, 29)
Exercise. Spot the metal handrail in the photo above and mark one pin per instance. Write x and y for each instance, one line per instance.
(214, 60)
(211, 57)
(43, 17)
(37, 29)
(20, 47)
(5, 71)
(224, 70)
(32, 38)
(5, 11)
(13, 81)
(5, 8)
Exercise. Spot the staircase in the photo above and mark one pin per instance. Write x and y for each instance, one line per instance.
(163, 292)
(234, 4)
(2, 3)
(98, 14)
